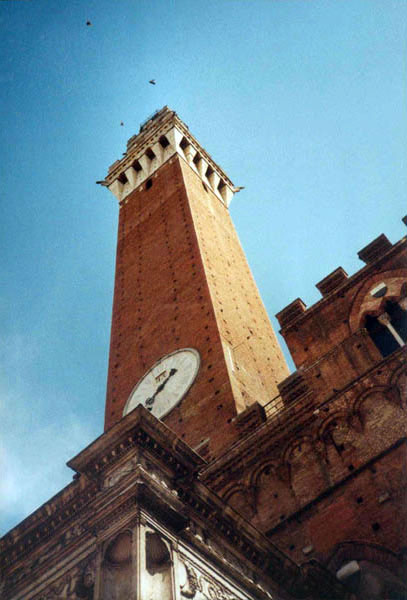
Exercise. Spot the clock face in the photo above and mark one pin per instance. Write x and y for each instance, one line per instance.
(166, 383)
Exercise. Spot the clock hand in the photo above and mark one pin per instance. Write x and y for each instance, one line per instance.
(162, 385)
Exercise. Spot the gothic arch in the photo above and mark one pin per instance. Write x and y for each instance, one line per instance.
(339, 416)
(369, 570)
(272, 492)
(338, 432)
(386, 391)
(307, 473)
(293, 444)
(394, 279)
(233, 489)
(359, 550)
(241, 498)
(398, 383)
(397, 373)
(266, 465)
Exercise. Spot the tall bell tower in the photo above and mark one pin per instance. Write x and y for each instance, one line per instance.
(190, 337)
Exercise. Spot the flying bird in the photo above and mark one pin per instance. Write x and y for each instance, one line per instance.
(152, 81)
(121, 123)
(88, 23)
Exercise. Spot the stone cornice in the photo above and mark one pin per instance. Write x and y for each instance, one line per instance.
(16, 545)
(139, 428)
(159, 476)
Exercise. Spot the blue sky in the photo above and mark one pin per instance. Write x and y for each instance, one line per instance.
(303, 102)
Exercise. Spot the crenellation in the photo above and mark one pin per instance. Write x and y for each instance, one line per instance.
(376, 249)
(290, 313)
(292, 316)
(332, 281)
(160, 140)
(293, 387)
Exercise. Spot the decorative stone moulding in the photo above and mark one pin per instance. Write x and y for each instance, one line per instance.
(161, 138)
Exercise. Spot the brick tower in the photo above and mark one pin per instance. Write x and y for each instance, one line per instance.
(149, 515)
(190, 337)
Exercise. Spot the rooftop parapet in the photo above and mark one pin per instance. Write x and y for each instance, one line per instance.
(161, 137)
(339, 278)
(375, 249)
(332, 281)
(293, 387)
(291, 312)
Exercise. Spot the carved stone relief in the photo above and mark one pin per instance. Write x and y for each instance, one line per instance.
(77, 583)
(191, 586)
(273, 496)
(200, 586)
(119, 473)
(84, 587)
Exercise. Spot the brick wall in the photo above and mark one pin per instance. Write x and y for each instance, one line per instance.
(182, 281)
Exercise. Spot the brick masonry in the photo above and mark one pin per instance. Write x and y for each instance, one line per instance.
(327, 470)
(182, 281)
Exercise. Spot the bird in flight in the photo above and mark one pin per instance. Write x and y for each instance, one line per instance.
(152, 81)
(121, 123)
(88, 23)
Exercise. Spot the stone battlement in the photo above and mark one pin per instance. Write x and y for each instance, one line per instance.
(160, 138)
(338, 281)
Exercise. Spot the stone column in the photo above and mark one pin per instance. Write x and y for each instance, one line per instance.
(384, 319)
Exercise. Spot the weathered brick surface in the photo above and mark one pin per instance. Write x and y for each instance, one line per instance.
(182, 281)
(257, 363)
(328, 466)
(371, 506)
(331, 331)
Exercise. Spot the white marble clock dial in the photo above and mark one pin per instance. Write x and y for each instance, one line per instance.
(166, 383)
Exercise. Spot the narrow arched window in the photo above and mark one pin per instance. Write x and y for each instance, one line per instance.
(398, 318)
(381, 336)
